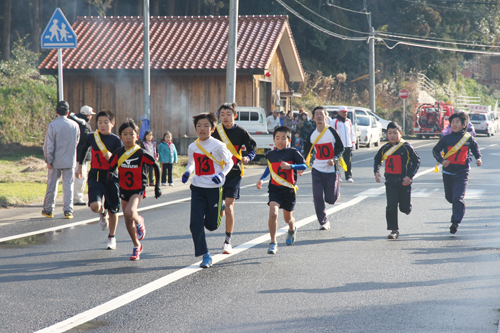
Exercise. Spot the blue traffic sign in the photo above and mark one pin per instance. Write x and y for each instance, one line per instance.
(58, 34)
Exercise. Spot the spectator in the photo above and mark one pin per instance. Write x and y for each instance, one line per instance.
(346, 132)
(306, 127)
(273, 121)
(288, 122)
(59, 150)
(83, 120)
(282, 117)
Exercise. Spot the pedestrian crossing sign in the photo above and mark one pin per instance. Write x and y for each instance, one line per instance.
(58, 34)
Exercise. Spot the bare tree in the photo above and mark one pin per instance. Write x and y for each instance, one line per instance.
(36, 30)
(171, 7)
(7, 17)
(101, 6)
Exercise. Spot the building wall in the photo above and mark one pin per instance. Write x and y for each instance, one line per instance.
(174, 99)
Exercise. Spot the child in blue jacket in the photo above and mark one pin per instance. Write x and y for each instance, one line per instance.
(168, 156)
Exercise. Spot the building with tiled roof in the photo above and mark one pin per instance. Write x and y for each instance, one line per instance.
(188, 65)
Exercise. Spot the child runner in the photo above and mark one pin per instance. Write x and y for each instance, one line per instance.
(325, 176)
(283, 163)
(234, 137)
(456, 147)
(299, 144)
(150, 146)
(168, 157)
(103, 196)
(211, 161)
(401, 165)
(131, 161)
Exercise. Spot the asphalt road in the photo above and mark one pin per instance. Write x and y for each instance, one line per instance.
(350, 278)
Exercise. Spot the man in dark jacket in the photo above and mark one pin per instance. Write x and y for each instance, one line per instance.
(82, 119)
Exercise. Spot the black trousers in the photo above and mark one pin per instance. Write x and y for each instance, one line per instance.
(454, 192)
(397, 195)
(205, 213)
(166, 169)
(347, 159)
(150, 171)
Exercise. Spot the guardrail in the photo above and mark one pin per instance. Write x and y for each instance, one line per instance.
(463, 102)
(423, 83)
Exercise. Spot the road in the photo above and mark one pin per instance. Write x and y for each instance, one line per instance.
(350, 278)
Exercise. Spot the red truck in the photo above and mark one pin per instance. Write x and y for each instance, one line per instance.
(431, 119)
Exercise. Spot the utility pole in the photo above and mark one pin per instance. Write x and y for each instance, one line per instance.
(371, 59)
(147, 78)
(231, 52)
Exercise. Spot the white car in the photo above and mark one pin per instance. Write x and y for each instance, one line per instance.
(382, 122)
(482, 123)
(371, 131)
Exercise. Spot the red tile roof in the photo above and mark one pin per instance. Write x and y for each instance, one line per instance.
(176, 43)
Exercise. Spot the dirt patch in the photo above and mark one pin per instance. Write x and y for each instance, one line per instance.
(32, 164)
(25, 148)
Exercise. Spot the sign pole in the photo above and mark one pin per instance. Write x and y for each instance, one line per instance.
(231, 52)
(404, 116)
(60, 74)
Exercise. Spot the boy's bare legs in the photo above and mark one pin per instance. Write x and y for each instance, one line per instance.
(273, 220)
(97, 207)
(289, 219)
(229, 214)
(132, 217)
(113, 223)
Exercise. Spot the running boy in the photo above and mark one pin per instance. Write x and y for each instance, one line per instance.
(283, 164)
(325, 176)
(131, 161)
(103, 196)
(211, 161)
(401, 165)
(456, 147)
(234, 137)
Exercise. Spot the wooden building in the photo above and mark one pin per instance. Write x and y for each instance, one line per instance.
(188, 67)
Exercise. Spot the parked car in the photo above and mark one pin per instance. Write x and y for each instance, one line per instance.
(350, 114)
(382, 122)
(482, 123)
(253, 119)
(371, 131)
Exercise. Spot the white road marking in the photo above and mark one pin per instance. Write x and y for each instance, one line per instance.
(474, 193)
(177, 275)
(423, 192)
(495, 144)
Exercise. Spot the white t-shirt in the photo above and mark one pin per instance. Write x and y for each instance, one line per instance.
(205, 168)
(272, 122)
(324, 151)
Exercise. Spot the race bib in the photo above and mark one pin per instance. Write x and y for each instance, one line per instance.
(203, 165)
(324, 151)
(393, 164)
(460, 157)
(282, 173)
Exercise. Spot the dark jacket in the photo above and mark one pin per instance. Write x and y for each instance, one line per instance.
(459, 161)
(85, 130)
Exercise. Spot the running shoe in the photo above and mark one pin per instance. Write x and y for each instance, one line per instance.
(227, 248)
(46, 213)
(207, 261)
(68, 215)
(325, 226)
(393, 235)
(290, 237)
(104, 220)
(171, 184)
(453, 228)
(111, 243)
(136, 253)
(163, 184)
(273, 248)
(350, 180)
(140, 229)
(80, 203)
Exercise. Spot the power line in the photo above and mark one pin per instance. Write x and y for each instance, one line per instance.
(440, 48)
(437, 41)
(328, 32)
(346, 9)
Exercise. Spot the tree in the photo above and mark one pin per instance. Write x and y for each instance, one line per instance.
(7, 16)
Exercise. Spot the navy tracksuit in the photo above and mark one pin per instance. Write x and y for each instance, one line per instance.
(456, 175)
(401, 163)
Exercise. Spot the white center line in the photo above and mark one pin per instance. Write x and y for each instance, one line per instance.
(186, 271)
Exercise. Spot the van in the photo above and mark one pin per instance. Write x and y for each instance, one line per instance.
(253, 119)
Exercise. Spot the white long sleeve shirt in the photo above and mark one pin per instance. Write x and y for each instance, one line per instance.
(346, 132)
(205, 168)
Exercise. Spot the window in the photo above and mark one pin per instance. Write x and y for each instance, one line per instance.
(477, 117)
(254, 116)
(244, 116)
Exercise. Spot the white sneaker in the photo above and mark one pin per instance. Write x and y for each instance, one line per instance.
(104, 221)
(171, 184)
(111, 243)
(325, 226)
(227, 248)
(340, 179)
(350, 180)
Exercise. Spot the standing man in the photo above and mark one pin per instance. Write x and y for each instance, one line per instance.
(346, 132)
(234, 137)
(325, 173)
(83, 120)
(273, 121)
(59, 149)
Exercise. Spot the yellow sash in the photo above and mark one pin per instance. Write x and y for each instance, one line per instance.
(308, 158)
(221, 163)
(392, 150)
(225, 139)
(280, 180)
(127, 154)
(99, 143)
(455, 148)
